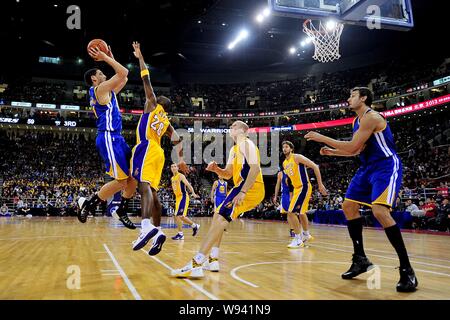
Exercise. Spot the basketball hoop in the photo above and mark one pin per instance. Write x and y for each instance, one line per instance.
(326, 40)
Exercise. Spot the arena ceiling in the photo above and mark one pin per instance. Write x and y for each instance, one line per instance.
(193, 35)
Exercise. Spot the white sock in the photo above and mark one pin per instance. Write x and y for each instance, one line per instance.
(214, 253)
(146, 225)
(193, 225)
(199, 258)
(306, 233)
(180, 233)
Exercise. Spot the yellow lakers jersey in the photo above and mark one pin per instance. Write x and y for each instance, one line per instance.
(296, 172)
(152, 126)
(178, 186)
(241, 167)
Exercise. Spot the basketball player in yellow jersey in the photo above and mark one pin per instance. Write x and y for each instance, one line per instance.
(295, 168)
(179, 186)
(245, 169)
(147, 160)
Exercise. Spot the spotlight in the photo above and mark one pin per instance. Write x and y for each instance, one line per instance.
(330, 25)
(292, 50)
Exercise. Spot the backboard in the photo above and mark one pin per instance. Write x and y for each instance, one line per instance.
(375, 14)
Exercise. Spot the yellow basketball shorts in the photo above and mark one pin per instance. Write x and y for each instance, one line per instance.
(182, 205)
(147, 163)
(253, 197)
(300, 199)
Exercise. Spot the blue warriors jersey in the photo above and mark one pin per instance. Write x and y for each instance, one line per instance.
(108, 116)
(378, 180)
(221, 192)
(380, 145)
(284, 184)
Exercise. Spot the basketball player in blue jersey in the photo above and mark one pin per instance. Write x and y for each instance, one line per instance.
(286, 194)
(110, 143)
(147, 160)
(219, 192)
(375, 184)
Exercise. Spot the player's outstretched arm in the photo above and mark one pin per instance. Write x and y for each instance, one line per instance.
(327, 151)
(277, 187)
(367, 126)
(310, 164)
(150, 103)
(191, 189)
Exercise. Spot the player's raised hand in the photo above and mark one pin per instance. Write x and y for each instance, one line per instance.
(195, 196)
(97, 54)
(137, 49)
(212, 166)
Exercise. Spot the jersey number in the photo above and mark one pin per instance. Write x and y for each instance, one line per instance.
(157, 125)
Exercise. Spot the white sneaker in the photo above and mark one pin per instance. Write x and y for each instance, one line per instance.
(144, 238)
(308, 237)
(158, 242)
(212, 264)
(296, 244)
(191, 270)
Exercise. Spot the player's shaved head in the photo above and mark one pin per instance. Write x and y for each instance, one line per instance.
(164, 101)
(241, 125)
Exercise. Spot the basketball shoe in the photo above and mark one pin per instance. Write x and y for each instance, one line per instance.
(296, 243)
(408, 281)
(178, 236)
(191, 270)
(144, 238)
(158, 242)
(121, 214)
(195, 229)
(212, 264)
(359, 265)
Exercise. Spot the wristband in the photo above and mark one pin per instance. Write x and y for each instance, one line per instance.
(144, 73)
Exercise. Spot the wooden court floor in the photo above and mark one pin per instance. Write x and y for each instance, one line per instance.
(59, 258)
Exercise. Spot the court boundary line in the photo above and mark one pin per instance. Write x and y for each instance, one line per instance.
(123, 274)
(194, 285)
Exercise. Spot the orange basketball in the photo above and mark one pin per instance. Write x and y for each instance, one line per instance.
(100, 44)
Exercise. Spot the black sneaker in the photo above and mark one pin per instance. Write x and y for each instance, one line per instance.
(360, 265)
(408, 281)
(195, 230)
(123, 217)
(82, 212)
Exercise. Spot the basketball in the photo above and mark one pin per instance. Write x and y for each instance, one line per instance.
(99, 43)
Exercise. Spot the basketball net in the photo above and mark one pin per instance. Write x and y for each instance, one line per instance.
(326, 40)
